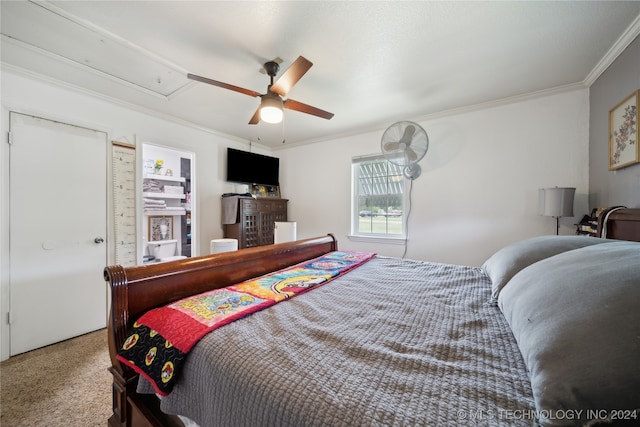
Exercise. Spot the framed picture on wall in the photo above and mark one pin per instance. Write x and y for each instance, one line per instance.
(160, 228)
(623, 133)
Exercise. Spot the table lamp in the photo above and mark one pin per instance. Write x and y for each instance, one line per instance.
(556, 202)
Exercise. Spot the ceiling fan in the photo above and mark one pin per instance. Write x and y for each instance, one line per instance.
(271, 103)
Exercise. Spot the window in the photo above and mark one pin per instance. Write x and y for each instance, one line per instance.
(377, 198)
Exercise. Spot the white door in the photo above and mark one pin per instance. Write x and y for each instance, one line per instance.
(57, 231)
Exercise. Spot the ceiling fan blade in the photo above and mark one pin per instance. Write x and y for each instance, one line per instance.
(304, 108)
(290, 77)
(223, 85)
(256, 117)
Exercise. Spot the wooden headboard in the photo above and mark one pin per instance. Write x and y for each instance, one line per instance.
(620, 223)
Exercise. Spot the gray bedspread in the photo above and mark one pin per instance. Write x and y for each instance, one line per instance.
(392, 343)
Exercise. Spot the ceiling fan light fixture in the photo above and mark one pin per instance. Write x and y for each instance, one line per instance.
(271, 109)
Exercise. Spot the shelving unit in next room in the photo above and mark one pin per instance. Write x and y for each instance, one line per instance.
(167, 200)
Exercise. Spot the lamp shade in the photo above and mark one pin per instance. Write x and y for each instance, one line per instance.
(556, 202)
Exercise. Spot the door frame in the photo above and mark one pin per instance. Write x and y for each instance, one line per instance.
(5, 220)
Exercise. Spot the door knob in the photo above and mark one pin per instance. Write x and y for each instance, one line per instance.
(98, 240)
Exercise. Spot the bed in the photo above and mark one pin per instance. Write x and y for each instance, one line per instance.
(546, 332)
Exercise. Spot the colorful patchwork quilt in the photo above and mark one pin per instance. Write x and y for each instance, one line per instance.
(161, 339)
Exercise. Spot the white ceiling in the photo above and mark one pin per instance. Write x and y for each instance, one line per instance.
(375, 62)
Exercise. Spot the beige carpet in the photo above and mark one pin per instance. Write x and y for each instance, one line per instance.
(65, 384)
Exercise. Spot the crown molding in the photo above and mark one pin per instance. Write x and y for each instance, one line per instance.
(618, 47)
(447, 113)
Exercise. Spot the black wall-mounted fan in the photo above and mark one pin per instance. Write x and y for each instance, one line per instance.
(276, 90)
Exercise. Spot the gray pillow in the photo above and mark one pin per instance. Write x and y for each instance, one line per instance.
(576, 318)
(505, 263)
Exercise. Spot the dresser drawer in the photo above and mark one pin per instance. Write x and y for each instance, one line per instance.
(280, 206)
(249, 204)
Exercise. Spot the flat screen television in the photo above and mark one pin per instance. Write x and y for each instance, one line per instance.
(252, 168)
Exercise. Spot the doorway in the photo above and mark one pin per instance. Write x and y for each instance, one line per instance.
(169, 200)
(58, 231)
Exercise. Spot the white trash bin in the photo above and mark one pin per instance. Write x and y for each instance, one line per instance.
(224, 245)
(284, 231)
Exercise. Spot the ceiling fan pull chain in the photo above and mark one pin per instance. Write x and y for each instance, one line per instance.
(283, 140)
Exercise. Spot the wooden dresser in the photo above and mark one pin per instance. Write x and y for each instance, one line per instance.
(255, 221)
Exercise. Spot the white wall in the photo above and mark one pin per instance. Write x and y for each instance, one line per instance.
(479, 184)
(124, 124)
(39, 98)
(478, 190)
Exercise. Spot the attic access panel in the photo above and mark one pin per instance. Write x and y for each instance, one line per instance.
(51, 30)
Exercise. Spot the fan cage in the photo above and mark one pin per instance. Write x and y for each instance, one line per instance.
(394, 136)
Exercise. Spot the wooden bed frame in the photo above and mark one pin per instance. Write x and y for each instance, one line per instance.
(135, 290)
